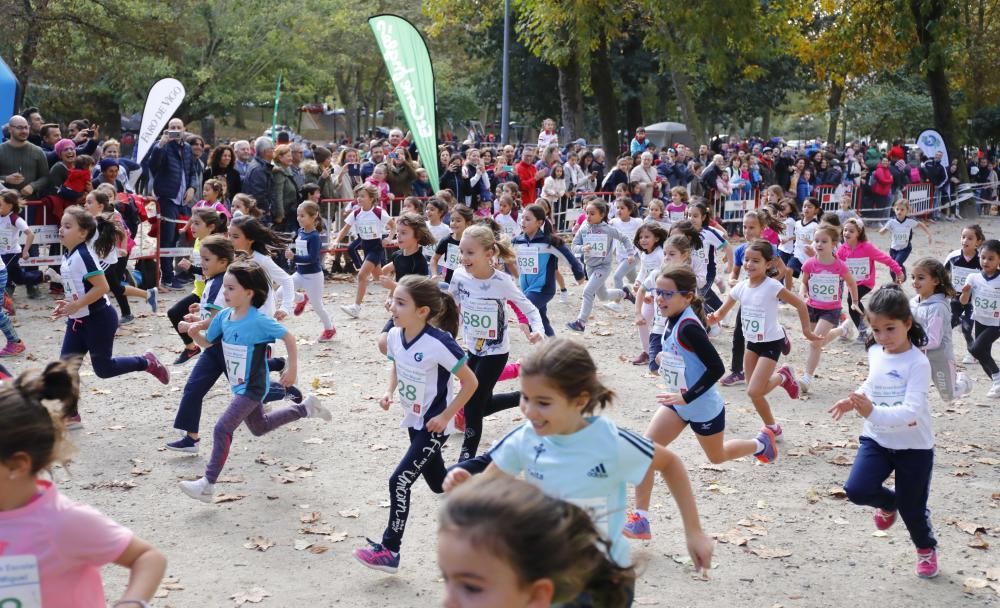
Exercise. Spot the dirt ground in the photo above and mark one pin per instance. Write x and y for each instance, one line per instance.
(302, 498)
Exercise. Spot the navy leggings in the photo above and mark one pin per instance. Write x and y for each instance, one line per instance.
(872, 466)
(423, 458)
(487, 370)
(95, 334)
(981, 348)
(541, 302)
(900, 256)
(962, 315)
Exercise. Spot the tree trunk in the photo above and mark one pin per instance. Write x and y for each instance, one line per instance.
(685, 100)
(571, 98)
(241, 121)
(607, 104)
(765, 123)
(110, 117)
(833, 103)
(29, 46)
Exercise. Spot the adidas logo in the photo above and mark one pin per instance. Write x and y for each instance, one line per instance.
(599, 471)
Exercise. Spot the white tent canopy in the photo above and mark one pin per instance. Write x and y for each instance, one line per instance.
(665, 134)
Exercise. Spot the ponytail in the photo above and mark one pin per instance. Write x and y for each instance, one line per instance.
(108, 234)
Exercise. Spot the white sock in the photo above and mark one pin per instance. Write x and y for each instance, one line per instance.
(760, 446)
(773, 427)
(642, 514)
(805, 378)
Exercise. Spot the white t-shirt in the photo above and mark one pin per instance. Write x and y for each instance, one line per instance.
(759, 309)
(423, 373)
(804, 236)
(483, 305)
(897, 386)
(508, 225)
(10, 233)
(789, 232)
(900, 232)
(985, 299)
(441, 231)
(628, 230)
(368, 225)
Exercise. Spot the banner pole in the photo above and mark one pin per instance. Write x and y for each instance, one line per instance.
(274, 117)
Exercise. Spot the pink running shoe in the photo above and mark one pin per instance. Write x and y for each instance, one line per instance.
(788, 382)
(927, 566)
(328, 334)
(300, 306)
(884, 519)
(460, 421)
(157, 369)
(510, 371)
(637, 527)
(13, 349)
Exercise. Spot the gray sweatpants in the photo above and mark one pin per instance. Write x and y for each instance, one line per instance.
(596, 279)
(943, 372)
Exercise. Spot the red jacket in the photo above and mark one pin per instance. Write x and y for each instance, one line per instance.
(529, 187)
(883, 181)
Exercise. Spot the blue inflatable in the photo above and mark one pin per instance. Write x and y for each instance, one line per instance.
(8, 92)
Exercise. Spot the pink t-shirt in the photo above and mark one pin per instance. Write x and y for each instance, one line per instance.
(71, 543)
(826, 283)
(217, 206)
(770, 235)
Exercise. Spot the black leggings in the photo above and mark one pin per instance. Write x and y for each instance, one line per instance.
(116, 275)
(423, 458)
(962, 315)
(986, 335)
(177, 312)
(487, 370)
(739, 345)
(863, 290)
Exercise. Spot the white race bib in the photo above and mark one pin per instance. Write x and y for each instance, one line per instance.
(986, 304)
(859, 267)
(410, 386)
(480, 319)
(367, 230)
(8, 238)
(527, 259)
(301, 247)
(20, 584)
(676, 216)
(888, 395)
(959, 275)
(824, 287)
(672, 371)
(452, 258)
(753, 319)
(900, 239)
(598, 245)
(236, 362)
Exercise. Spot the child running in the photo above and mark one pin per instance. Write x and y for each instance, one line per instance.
(758, 296)
(251, 237)
(961, 263)
(580, 457)
(434, 211)
(594, 240)
(690, 367)
(447, 250)
(54, 544)
(246, 334)
(505, 217)
(656, 213)
(805, 228)
(649, 240)
(91, 322)
(860, 255)
(627, 225)
(900, 228)
(897, 434)
(369, 222)
(823, 279)
(983, 290)
(786, 247)
(677, 209)
(424, 356)
(11, 251)
(411, 233)
(538, 251)
(489, 530)
(308, 260)
(482, 293)
(713, 241)
(204, 222)
(932, 310)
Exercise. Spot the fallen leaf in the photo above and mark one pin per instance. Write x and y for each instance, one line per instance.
(311, 517)
(139, 471)
(989, 461)
(229, 479)
(302, 544)
(971, 584)
(837, 492)
(842, 460)
(721, 489)
(733, 537)
(767, 553)
(337, 537)
(353, 513)
(315, 384)
(993, 574)
(265, 459)
(254, 595)
(114, 484)
(378, 447)
(968, 527)
(322, 529)
(812, 496)
(317, 549)
(258, 543)
(978, 542)
(712, 467)
(880, 534)
(221, 498)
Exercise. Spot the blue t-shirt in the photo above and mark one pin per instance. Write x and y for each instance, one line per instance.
(244, 347)
(307, 249)
(589, 468)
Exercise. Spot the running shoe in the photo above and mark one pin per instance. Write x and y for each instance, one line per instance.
(185, 444)
(576, 326)
(637, 527)
(199, 489)
(848, 331)
(300, 306)
(8, 304)
(641, 359)
(769, 453)
(13, 349)
(788, 382)
(995, 389)
(156, 369)
(293, 394)
(125, 320)
(628, 294)
(151, 294)
(884, 519)
(734, 379)
(73, 423)
(377, 557)
(612, 306)
(963, 384)
(927, 566)
(564, 297)
(805, 383)
(186, 355)
(327, 335)
(352, 310)
(968, 359)
(315, 409)
(779, 435)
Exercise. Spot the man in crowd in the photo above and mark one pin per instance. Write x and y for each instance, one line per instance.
(639, 142)
(22, 164)
(244, 154)
(35, 122)
(172, 165)
(259, 180)
(377, 156)
(298, 155)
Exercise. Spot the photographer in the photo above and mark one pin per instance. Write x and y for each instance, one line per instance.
(172, 164)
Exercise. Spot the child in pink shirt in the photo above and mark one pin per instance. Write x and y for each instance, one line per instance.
(823, 278)
(51, 548)
(213, 191)
(860, 256)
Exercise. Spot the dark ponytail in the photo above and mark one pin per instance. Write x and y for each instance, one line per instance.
(109, 233)
(686, 227)
(265, 241)
(427, 292)
(890, 301)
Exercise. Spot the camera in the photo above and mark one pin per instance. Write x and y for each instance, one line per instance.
(173, 134)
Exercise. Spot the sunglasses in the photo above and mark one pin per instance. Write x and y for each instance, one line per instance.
(669, 293)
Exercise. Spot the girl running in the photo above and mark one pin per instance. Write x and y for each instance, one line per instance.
(204, 222)
(424, 356)
(860, 255)
(369, 223)
(983, 290)
(538, 252)
(649, 240)
(657, 214)
(932, 310)
(435, 211)
(244, 204)
(897, 434)
(482, 294)
(262, 244)
(805, 228)
(11, 227)
(823, 279)
(690, 367)
(713, 241)
(786, 247)
(961, 263)
(900, 228)
(627, 225)
(246, 333)
(308, 260)
(505, 217)
(489, 529)
(758, 296)
(677, 209)
(58, 546)
(91, 323)
(582, 458)
(411, 233)
(447, 250)
(594, 240)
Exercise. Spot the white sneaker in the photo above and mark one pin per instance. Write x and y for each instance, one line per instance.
(995, 389)
(199, 489)
(315, 409)
(564, 296)
(352, 310)
(804, 383)
(963, 384)
(968, 359)
(612, 306)
(848, 330)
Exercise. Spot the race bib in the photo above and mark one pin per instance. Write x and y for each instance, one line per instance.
(203, 314)
(900, 239)
(824, 287)
(959, 275)
(672, 371)
(428, 251)
(753, 319)
(649, 264)
(410, 386)
(527, 260)
(676, 216)
(301, 247)
(236, 362)
(596, 508)
(986, 304)
(20, 584)
(888, 395)
(480, 319)
(509, 228)
(367, 230)
(8, 239)
(859, 267)
(453, 257)
(598, 245)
